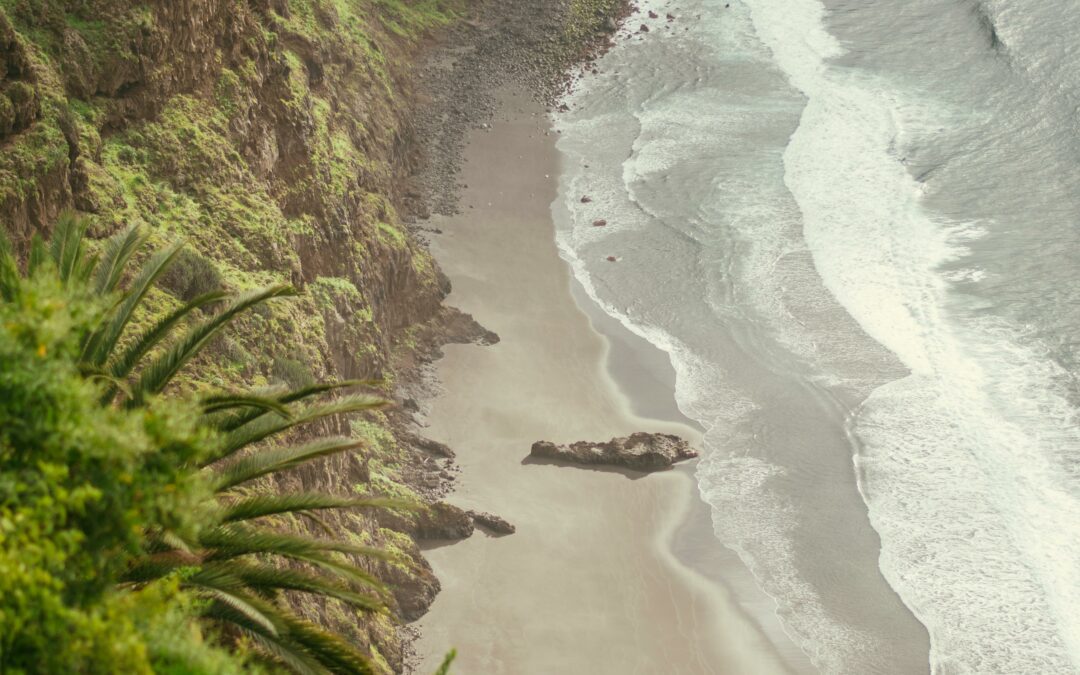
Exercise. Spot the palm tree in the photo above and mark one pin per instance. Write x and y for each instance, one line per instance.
(236, 561)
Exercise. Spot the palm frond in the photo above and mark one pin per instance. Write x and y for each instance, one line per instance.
(66, 245)
(157, 374)
(9, 270)
(260, 506)
(123, 364)
(333, 652)
(241, 609)
(264, 579)
(278, 459)
(444, 668)
(217, 404)
(291, 656)
(232, 540)
(101, 343)
(232, 422)
(158, 566)
(39, 255)
(115, 257)
(265, 427)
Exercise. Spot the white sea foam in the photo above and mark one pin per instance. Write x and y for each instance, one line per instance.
(668, 124)
(969, 465)
(965, 463)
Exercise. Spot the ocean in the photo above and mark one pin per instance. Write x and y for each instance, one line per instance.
(855, 229)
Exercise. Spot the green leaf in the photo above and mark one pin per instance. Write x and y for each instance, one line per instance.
(333, 652)
(232, 540)
(260, 506)
(39, 256)
(101, 343)
(66, 245)
(235, 421)
(157, 374)
(10, 281)
(265, 427)
(116, 255)
(214, 404)
(265, 578)
(122, 365)
(291, 656)
(444, 669)
(278, 459)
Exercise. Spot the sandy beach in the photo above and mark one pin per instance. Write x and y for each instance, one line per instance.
(588, 583)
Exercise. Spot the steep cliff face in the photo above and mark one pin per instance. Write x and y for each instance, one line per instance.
(277, 137)
(274, 136)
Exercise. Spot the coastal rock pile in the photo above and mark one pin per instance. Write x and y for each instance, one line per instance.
(640, 451)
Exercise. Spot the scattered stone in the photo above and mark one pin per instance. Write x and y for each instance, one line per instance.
(492, 523)
(586, 199)
(599, 223)
(670, 17)
(653, 15)
(643, 29)
(611, 258)
(640, 451)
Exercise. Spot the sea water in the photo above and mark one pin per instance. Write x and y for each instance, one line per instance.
(855, 228)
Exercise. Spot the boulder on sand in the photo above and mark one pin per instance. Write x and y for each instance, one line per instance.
(640, 451)
(492, 523)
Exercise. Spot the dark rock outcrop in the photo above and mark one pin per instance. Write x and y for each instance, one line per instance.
(492, 523)
(443, 521)
(640, 452)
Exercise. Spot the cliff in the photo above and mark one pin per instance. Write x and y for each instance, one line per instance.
(279, 138)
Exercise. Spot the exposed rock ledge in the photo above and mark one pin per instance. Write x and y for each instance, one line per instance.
(640, 451)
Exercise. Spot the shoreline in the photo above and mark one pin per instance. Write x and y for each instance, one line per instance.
(589, 569)
(635, 363)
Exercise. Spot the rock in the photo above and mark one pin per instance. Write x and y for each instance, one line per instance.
(643, 29)
(443, 521)
(599, 223)
(653, 15)
(586, 199)
(427, 445)
(611, 258)
(640, 451)
(492, 522)
(610, 25)
(670, 17)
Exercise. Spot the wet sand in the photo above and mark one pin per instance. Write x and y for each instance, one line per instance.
(588, 584)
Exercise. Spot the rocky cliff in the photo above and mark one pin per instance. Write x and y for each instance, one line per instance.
(278, 137)
(275, 136)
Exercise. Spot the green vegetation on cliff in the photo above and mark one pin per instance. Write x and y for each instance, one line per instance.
(122, 512)
(272, 136)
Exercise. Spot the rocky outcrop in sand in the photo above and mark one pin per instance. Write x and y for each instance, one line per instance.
(640, 452)
(492, 523)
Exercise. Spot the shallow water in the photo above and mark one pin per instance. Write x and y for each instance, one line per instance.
(853, 228)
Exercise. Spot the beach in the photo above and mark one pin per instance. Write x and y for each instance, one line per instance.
(588, 583)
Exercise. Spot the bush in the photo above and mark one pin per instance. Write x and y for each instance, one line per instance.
(191, 275)
(79, 485)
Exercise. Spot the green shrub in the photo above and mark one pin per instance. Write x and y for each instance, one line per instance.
(80, 484)
(191, 275)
